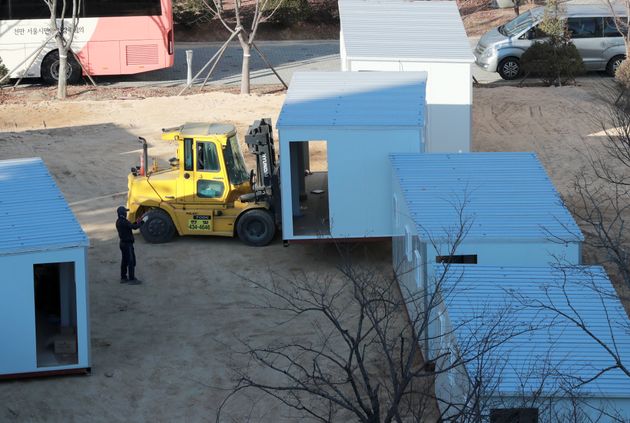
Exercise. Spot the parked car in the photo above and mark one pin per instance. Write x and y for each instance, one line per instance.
(592, 28)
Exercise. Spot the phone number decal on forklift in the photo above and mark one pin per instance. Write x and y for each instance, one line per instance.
(200, 223)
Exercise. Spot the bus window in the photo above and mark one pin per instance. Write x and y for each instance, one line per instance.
(23, 9)
(5, 9)
(108, 8)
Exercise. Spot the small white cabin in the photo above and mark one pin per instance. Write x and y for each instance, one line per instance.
(497, 209)
(502, 346)
(336, 132)
(396, 35)
(44, 286)
(486, 209)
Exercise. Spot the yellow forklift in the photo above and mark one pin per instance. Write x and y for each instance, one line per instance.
(207, 189)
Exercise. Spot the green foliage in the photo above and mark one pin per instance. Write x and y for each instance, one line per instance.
(556, 60)
(553, 64)
(325, 12)
(190, 12)
(289, 12)
(553, 25)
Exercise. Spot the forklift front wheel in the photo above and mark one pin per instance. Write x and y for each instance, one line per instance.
(158, 227)
(256, 227)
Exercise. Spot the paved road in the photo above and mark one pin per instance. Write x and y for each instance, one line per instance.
(286, 56)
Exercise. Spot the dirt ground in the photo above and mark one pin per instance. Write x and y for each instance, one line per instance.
(159, 350)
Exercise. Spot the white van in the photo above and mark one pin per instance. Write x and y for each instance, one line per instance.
(592, 28)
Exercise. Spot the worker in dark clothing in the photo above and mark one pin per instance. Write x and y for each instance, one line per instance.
(128, 264)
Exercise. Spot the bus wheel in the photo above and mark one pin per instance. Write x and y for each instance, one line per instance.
(256, 227)
(50, 69)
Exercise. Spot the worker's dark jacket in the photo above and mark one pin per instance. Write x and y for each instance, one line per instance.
(124, 228)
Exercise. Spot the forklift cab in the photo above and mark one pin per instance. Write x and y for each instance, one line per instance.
(212, 169)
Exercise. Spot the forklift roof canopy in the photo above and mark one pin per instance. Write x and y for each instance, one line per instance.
(201, 128)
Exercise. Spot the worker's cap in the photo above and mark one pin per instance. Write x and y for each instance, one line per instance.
(122, 211)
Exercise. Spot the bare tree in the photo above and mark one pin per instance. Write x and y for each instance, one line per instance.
(621, 14)
(243, 23)
(3, 70)
(361, 358)
(607, 328)
(537, 388)
(541, 375)
(64, 30)
(601, 196)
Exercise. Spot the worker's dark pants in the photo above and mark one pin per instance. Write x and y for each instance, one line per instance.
(128, 260)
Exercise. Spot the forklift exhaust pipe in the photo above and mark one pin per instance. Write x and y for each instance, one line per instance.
(144, 158)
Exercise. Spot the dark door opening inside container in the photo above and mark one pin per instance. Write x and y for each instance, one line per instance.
(55, 314)
(457, 259)
(309, 188)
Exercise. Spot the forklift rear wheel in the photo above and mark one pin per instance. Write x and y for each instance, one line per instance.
(158, 227)
(256, 228)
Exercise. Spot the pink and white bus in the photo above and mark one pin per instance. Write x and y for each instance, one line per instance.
(113, 37)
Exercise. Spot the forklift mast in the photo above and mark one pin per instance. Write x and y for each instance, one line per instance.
(259, 140)
(265, 180)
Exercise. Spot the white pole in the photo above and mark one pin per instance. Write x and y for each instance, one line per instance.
(229, 40)
(189, 57)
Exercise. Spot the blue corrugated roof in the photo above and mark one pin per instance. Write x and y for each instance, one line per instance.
(34, 215)
(551, 345)
(429, 31)
(504, 196)
(356, 99)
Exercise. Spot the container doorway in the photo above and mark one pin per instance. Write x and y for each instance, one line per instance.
(309, 188)
(55, 314)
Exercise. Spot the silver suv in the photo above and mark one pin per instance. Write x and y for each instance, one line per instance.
(592, 28)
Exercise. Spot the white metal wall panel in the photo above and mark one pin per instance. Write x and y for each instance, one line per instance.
(449, 100)
(359, 177)
(17, 310)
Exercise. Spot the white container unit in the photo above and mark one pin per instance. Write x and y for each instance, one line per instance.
(480, 208)
(416, 36)
(524, 361)
(336, 132)
(487, 209)
(44, 317)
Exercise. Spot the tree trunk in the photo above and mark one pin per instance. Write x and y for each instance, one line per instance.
(245, 69)
(63, 64)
